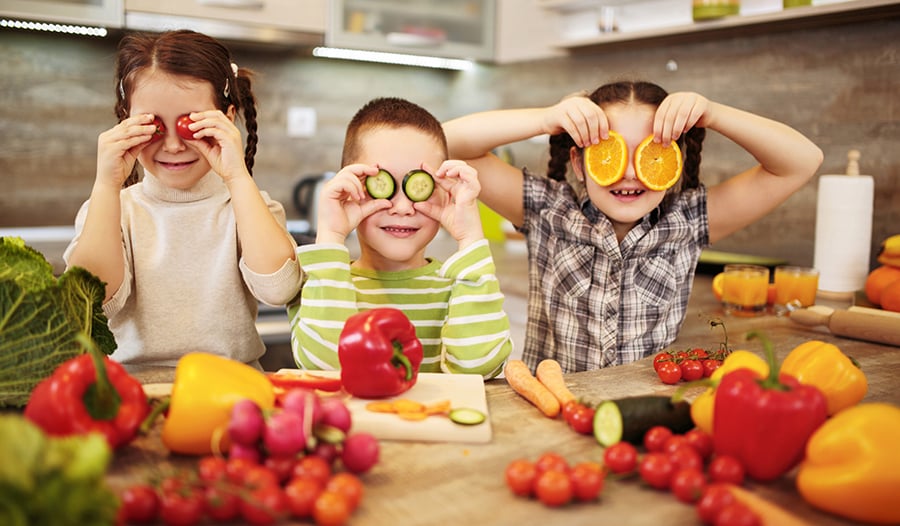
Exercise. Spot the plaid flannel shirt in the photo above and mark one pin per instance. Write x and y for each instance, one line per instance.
(593, 302)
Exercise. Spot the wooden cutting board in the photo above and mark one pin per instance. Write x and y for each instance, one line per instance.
(463, 390)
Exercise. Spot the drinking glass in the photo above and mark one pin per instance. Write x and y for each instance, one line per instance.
(795, 287)
(745, 289)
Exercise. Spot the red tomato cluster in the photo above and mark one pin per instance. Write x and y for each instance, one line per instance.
(226, 490)
(685, 465)
(553, 481)
(694, 364)
(579, 416)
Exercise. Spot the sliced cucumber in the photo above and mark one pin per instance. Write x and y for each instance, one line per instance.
(628, 419)
(418, 185)
(466, 416)
(381, 185)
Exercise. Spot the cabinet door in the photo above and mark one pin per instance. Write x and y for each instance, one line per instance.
(299, 15)
(444, 28)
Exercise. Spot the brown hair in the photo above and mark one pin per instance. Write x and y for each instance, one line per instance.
(691, 143)
(389, 112)
(190, 54)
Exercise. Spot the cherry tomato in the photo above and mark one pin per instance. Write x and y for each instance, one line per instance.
(681, 356)
(715, 497)
(265, 505)
(587, 480)
(182, 508)
(685, 457)
(582, 419)
(657, 470)
(520, 477)
(182, 124)
(140, 504)
(669, 372)
(348, 485)
(331, 509)
(553, 488)
(725, 468)
(698, 353)
(674, 442)
(691, 370)
(688, 485)
(160, 130)
(655, 438)
(212, 469)
(620, 457)
(551, 462)
(301, 494)
(664, 356)
(281, 466)
(222, 502)
(737, 514)
(236, 469)
(260, 477)
(701, 441)
(568, 409)
(313, 466)
(710, 366)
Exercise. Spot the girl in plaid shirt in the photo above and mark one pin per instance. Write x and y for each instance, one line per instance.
(611, 267)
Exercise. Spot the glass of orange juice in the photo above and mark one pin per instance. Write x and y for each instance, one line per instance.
(745, 289)
(795, 287)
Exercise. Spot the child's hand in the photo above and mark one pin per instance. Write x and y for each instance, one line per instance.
(344, 203)
(580, 117)
(219, 140)
(678, 113)
(458, 213)
(118, 148)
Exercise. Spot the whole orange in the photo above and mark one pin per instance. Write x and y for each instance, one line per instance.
(890, 296)
(878, 279)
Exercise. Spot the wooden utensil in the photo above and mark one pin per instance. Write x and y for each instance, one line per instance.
(859, 323)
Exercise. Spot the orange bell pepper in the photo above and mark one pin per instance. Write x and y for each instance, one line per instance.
(851, 464)
(824, 365)
(205, 389)
(703, 406)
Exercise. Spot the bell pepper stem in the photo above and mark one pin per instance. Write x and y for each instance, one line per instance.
(771, 381)
(158, 409)
(678, 395)
(101, 399)
(401, 360)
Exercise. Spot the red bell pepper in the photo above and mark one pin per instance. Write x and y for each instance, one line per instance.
(379, 353)
(765, 422)
(89, 393)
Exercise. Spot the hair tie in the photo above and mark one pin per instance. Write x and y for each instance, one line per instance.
(121, 90)
(234, 68)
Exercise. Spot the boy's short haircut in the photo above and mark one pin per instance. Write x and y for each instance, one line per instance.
(390, 112)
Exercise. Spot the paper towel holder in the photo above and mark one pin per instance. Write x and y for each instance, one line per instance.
(853, 162)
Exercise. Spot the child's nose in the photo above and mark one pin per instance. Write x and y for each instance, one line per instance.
(401, 204)
(172, 142)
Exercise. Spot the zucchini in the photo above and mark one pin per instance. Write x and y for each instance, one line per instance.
(466, 416)
(381, 185)
(418, 185)
(628, 419)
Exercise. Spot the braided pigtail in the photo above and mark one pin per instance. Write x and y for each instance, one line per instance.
(692, 146)
(247, 101)
(557, 166)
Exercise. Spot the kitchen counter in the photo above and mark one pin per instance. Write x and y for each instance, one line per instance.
(417, 483)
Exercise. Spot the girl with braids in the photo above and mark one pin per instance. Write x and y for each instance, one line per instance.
(611, 267)
(187, 252)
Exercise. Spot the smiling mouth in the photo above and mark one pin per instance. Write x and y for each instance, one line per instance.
(399, 230)
(627, 193)
(175, 165)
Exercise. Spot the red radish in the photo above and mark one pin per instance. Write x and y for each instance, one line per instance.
(360, 452)
(245, 452)
(245, 426)
(336, 414)
(283, 434)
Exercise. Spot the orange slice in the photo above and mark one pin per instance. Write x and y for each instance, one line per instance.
(657, 166)
(605, 162)
(718, 285)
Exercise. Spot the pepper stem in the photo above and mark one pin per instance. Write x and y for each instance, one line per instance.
(401, 360)
(101, 400)
(771, 381)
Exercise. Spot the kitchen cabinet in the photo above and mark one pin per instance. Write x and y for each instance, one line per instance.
(285, 22)
(498, 31)
(821, 14)
(105, 13)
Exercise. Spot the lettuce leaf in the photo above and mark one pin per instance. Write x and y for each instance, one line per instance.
(40, 315)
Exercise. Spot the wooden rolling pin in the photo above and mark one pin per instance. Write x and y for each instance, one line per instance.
(859, 323)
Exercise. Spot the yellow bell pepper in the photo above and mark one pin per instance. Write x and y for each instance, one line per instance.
(205, 389)
(702, 407)
(824, 365)
(852, 464)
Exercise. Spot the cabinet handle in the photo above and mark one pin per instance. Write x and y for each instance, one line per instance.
(235, 4)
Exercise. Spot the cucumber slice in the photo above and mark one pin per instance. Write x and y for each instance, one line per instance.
(381, 185)
(628, 419)
(418, 185)
(466, 416)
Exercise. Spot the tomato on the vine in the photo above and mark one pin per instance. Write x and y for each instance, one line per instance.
(520, 477)
(725, 468)
(184, 507)
(688, 484)
(313, 466)
(551, 462)
(698, 353)
(587, 480)
(710, 366)
(655, 438)
(331, 509)
(140, 504)
(620, 457)
(701, 441)
(553, 488)
(265, 505)
(301, 495)
(581, 418)
(222, 502)
(657, 470)
(685, 457)
(737, 514)
(715, 497)
(669, 372)
(691, 370)
(664, 356)
(348, 485)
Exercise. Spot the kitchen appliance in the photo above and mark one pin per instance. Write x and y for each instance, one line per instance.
(306, 197)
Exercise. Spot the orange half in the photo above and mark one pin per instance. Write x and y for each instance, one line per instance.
(657, 166)
(605, 162)
(718, 285)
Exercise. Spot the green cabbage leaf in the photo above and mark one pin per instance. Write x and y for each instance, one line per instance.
(40, 315)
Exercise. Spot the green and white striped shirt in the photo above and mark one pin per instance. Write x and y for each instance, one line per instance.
(456, 307)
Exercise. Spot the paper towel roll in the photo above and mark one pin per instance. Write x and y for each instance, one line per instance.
(843, 231)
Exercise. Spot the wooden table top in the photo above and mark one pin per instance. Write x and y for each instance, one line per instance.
(452, 483)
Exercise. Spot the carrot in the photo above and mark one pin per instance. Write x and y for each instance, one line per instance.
(523, 382)
(550, 374)
(769, 514)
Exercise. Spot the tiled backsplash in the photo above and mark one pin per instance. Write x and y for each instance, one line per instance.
(836, 84)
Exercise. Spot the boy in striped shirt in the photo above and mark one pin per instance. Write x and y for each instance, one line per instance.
(456, 306)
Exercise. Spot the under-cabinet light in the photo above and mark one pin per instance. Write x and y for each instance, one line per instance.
(54, 28)
(394, 58)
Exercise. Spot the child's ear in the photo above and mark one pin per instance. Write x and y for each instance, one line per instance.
(230, 113)
(576, 159)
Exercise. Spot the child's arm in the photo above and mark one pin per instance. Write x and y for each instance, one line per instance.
(787, 159)
(99, 243)
(458, 213)
(474, 136)
(476, 338)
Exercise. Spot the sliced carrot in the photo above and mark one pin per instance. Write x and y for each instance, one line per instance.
(550, 374)
(525, 384)
(438, 408)
(381, 407)
(405, 405)
(769, 514)
(412, 415)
